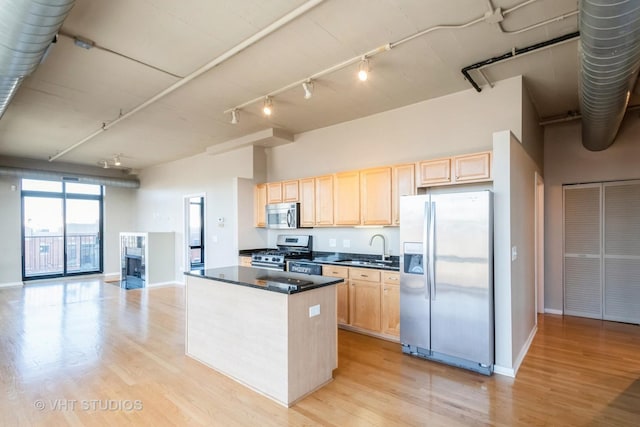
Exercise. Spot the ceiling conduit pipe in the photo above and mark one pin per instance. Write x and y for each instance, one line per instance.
(68, 177)
(27, 30)
(609, 62)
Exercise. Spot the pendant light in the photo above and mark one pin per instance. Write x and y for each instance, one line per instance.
(363, 69)
(267, 108)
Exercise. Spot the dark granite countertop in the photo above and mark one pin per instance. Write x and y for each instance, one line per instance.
(269, 280)
(342, 258)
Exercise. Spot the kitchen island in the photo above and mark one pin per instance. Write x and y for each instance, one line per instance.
(273, 331)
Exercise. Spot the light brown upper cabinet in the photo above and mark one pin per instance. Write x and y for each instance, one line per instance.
(307, 202)
(324, 200)
(473, 167)
(274, 192)
(290, 191)
(432, 172)
(259, 202)
(375, 196)
(346, 196)
(403, 183)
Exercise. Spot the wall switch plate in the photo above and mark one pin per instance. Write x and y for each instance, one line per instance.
(514, 253)
(332, 243)
(314, 310)
(346, 243)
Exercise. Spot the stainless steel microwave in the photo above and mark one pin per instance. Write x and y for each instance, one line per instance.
(283, 215)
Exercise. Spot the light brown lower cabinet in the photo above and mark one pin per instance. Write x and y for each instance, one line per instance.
(391, 303)
(368, 301)
(342, 289)
(244, 261)
(364, 298)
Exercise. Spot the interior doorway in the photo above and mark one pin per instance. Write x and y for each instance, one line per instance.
(539, 243)
(195, 231)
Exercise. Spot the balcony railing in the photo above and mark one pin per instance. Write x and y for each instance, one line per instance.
(44, 255)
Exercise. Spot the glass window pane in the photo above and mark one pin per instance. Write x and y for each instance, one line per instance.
(43, 236)
(40, 185)
(75, 188)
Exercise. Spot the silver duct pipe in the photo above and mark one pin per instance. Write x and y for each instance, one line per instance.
(610, 59)
(68, 177)
(27, 29)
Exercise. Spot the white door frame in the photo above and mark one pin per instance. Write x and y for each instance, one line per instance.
(185, 240)
(539, 243)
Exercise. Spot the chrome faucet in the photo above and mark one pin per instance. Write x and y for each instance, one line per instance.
(384, 245)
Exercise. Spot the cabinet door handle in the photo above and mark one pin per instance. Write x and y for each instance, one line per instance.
(363, 275)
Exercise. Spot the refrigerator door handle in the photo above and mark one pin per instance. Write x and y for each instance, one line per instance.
(432, 249)
(425, 250)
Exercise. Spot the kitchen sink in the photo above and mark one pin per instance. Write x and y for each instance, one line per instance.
(368, 263)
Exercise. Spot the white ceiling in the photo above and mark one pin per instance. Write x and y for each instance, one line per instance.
(76, 90)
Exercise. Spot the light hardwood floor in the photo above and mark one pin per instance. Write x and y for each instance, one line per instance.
(104, 349)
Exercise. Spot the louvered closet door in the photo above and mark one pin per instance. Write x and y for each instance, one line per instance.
(622, 252)
(582, 251)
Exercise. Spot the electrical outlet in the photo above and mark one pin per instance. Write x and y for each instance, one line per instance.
(332, 243)
(346, 243)
(514, 253)
(314, 310)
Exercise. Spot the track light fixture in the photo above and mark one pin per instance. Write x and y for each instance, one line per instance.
(267, 108)
(363, 69)
(308, 89)
(105, 164)
(234, 116)
(116, 160)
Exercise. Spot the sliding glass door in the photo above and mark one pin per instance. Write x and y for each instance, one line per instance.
(62, 228)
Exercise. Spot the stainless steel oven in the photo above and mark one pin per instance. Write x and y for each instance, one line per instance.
(283, 215)
(290, 247)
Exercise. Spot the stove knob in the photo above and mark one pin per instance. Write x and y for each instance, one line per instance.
(258, 258)
(274, 259)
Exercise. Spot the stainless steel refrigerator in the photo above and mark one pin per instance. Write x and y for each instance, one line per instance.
(446, 278)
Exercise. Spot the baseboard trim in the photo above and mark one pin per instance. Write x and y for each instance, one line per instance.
(159, 284)
(553, 311)
(11, 284)
(524, 350)
(501, 370)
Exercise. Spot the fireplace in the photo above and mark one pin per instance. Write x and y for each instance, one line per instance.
(134, 274)
(146, 259)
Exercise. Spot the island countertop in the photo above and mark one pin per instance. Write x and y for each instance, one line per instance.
(269, 280)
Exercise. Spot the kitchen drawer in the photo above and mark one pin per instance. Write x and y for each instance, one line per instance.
(364, 274)
(391, 277)
(335, 271)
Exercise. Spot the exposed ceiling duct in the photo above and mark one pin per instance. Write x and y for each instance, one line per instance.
(68, 177)
(27, 29)
(610, 59)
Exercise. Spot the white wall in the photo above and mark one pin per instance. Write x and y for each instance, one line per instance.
(119, 215)
(514, 214)
(10, 232)
(160, 202)
(460, 123)
(568, 162)
(532, 132)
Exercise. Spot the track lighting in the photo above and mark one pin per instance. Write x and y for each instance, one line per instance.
(105, 164)
(363, 69)
(308, 89)
(267, 108)
(234, 116)
(116, 160)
